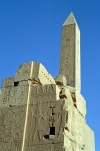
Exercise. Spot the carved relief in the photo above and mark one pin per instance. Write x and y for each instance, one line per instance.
(48, 147)
(13, 126)
(38, 113)
(38, 127)
(63, 120)
(54, 120)
(18, 95)
(38, 122)
(44, 94)
(70, 35)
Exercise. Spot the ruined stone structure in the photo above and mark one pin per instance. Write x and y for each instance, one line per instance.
(42, 113)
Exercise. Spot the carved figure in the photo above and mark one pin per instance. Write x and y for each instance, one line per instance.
(38, 127)
(63, 115)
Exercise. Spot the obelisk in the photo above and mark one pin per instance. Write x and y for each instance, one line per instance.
(70, 52)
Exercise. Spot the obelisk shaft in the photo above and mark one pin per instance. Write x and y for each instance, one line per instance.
(70, 52)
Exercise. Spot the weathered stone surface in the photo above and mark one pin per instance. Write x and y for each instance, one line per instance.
(70, 52)
(48, 147)
(60, 80)
(89, 138)
(45, 93)
(43, 75)
(14, 96)
(0, 96)
(47, 124)
(35, 72)
(78, 101)
(12, 121)
(8, 82)
(78, 124)
(42, 113)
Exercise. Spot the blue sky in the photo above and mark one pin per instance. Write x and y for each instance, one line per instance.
(30, 30)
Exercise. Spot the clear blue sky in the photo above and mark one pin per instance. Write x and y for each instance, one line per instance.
(30, 30)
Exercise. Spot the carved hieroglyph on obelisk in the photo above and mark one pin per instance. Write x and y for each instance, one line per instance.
(70, 52)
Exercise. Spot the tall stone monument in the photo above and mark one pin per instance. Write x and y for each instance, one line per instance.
(42, 113)
(70, 52)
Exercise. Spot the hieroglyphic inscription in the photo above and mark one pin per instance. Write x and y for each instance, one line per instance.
(47, 147)
(19, 95)
(38, 123)
(38, 127)
(14, 96)
(44, 93)
(24, 72)
(67, 62)
(41, 117)
(11, 127)
(70, 55)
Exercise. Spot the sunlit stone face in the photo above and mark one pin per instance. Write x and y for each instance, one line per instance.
(70, 52)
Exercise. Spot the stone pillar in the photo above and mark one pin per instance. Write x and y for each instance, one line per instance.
(70, 52)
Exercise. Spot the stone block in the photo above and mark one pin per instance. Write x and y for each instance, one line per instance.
(60, 80)
(47, 147)
(70, 52)
(14, 96)
(78, 123)
(8, 82)
(4, 96)
(78, 101)
(24, 72)
(12, 120)
(34, 72)
(63, 92)
(66, 95)
(67, 143)
(68, 99)
(89, 139)
(48, 122)
(44, 93)
(40, 75)
(0, 96)
(69, 135)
